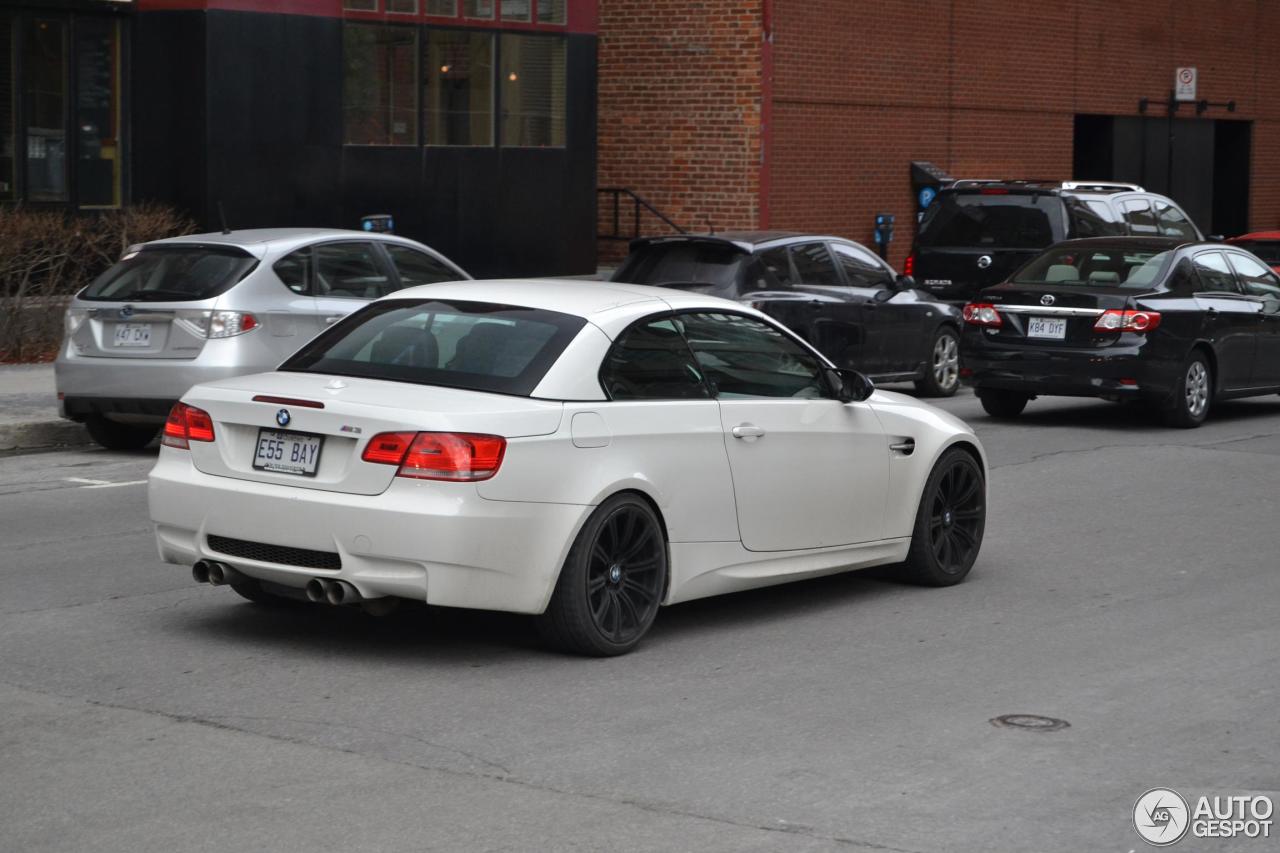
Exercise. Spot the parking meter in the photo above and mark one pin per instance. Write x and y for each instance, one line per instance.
(884, 232)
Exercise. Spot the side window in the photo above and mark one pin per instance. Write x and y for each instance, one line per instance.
(348, 270)
(814, 265)
(777, 265)
(651, 361)
(861, 268)
(1257, 279)
(418, 267)
(756, 275)
(744, 357)
(1137, 212)
(294, 269)
(1092, 218)
(1214, 274)
(1173, 222)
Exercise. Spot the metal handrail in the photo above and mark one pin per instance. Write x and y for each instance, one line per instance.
(638, 203)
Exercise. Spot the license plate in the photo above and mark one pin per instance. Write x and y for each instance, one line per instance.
(1047, 327)
(287, 452)
(132, 335)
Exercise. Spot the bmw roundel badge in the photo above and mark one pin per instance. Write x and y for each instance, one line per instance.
(283, 418)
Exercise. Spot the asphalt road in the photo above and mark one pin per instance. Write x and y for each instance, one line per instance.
(1128, 585)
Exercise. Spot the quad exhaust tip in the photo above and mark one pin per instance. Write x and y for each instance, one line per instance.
(214, 573)
(321, 591)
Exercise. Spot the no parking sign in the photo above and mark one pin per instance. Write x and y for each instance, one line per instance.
(1184, 84)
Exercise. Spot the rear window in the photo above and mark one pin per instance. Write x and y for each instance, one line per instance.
(1112, 266)
(172, 274)
(691, 262)
(993, 221)
(1267, 251)
(478, 346)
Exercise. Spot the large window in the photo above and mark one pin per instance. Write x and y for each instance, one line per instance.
(459, 88)
(533, 90)
(45, 95)
(8, 176)
(380, 87)
(99, 159)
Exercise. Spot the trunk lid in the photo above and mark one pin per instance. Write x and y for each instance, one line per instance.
(1035, 314)
(140, 330)
(959, 273)
(354, 410)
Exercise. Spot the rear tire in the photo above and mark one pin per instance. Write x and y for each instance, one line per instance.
(1005, 405)
(942, 371)
(117, 436)
(950, 522)
(612, 581)
(1193, 394)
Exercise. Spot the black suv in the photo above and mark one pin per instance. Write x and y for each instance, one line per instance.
(977, 233)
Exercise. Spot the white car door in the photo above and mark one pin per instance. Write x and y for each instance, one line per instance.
(808, 471)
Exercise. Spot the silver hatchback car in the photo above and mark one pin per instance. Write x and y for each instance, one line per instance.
(175, 312)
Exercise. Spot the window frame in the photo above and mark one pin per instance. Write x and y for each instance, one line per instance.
(833, 246)
(384, 249)
(403, 23)
(693, 360)
(380, 261)
(1195, 267)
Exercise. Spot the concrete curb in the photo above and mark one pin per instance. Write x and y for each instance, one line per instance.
(37, 435)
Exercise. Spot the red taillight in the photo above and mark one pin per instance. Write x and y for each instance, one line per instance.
(909, 265)
(186, 424)
(983, 314)
(459, 456)
(388, 448)
(1115, 320)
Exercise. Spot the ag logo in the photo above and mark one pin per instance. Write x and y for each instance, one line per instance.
(283, 418)
(1161, 817)
(984, 262)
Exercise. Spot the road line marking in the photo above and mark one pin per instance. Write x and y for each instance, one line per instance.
(114, 485)
(86, 482)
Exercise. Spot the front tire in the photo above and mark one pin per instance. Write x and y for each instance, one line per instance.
(950, 522)
(118, 436)
(1193, 394)
(1005, 405)
(612, 581)
(942, 372)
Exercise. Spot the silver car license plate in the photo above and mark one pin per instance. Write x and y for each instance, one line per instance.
(132, 335)
(1047, 327)
(287, 452)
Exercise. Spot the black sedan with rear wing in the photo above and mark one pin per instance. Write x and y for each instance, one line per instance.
(1176, 324)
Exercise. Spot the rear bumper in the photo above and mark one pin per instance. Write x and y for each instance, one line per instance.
(1121, 371)
(431, 541)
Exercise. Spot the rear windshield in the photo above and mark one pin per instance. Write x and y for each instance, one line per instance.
(683, 263)
(1268, 252)
(172, 274)
(1112, 266)
(993, 221)
(478, 346)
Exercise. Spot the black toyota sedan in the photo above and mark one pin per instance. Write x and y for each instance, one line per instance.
(834, 293)
(1174, 323)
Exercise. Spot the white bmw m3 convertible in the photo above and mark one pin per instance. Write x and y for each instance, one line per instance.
(577, 450)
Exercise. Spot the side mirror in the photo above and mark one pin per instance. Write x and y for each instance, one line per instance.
(850, 385)
(904, 282)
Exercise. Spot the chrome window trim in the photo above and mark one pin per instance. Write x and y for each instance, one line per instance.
(1048, 309)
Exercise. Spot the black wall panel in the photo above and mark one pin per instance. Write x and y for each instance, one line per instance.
(246, 109)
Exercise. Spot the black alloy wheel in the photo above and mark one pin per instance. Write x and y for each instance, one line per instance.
(1005, 405)
(950, 522)
(942, 370)
(612, 582)
(118, 436)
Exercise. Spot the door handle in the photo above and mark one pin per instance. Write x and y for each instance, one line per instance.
(332, 318)
(747, 431)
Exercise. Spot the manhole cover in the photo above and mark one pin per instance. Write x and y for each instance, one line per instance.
(1030, 722)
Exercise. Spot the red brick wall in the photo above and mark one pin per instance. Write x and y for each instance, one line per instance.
(991, 89)
(680, 110)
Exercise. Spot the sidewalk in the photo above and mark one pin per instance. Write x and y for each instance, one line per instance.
(29, 410)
